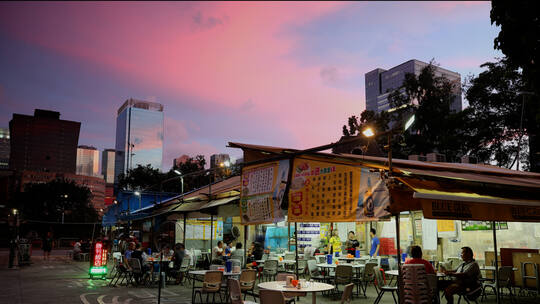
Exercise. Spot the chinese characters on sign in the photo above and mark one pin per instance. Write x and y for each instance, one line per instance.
(263, 188)
(322, 191)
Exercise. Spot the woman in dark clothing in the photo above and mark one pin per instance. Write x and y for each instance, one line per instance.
(47, 246)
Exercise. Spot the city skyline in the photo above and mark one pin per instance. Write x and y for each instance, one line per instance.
(307, 58)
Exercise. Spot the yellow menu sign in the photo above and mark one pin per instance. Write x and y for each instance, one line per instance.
(323, 191)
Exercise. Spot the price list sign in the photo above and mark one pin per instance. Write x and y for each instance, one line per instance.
(262, 192)
(324, 191)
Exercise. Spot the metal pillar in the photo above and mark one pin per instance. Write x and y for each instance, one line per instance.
(211, 235)
(398, 253)
(288, 235)
(245, 244)
(497, 294)
(184, 238)
(296, 247)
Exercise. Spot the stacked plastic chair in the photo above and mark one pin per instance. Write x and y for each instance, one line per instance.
(416, 288)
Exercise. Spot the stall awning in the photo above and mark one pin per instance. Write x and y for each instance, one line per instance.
(448, 190)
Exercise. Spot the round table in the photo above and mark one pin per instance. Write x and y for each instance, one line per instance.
(333, 265)
(203, 272)
(396, 273)
(492, 268)
(312, 287)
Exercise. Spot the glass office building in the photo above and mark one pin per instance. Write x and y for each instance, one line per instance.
(139, 136)
(380, 83)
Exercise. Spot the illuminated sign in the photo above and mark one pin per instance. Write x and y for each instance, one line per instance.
(99, 264)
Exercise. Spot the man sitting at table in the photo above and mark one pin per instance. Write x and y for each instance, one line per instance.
(416, 253)
(466, 277)
(217, 254)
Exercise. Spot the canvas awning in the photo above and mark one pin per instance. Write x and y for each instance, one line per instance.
(448, 190)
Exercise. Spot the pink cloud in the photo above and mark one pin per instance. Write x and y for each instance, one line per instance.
(230, 55)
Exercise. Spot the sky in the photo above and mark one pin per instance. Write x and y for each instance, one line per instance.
(280, 74)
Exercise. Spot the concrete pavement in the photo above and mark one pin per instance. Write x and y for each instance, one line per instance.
(62, 280)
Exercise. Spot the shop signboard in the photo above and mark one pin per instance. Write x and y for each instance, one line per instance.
(321, 191)
(475, 211)
(263, 188)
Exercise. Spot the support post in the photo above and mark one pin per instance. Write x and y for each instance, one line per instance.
(211, 235)
(497, 294)
(399, 260)
(245, 244)
(184, 238)
(288, 235)
(296, 247)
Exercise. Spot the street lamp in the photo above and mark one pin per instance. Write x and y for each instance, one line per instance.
(369, 132)
(181, 179)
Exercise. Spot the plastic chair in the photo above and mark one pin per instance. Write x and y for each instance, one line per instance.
(211, 285)
(314, 273)
(271, 297)
(270, 269)
(247, 282)
(289, 256)
(416, 288)
(504, 276)
(289, 296)
(235, 293)
(346, 296)
(343, 276)
(382, 286)
(367, 277)
(471, 295)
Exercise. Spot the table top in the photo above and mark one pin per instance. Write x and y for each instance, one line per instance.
(203, 272)
(396, 273)
(356, 259)
(152, 259)
(492, 268)
(310, 286)
(333, 265)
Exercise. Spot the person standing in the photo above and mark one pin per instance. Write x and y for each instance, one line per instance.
(335, 242)
(352, 243)
(375, 243)
(47, 246)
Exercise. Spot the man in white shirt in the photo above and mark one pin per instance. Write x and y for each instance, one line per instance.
(217, 252)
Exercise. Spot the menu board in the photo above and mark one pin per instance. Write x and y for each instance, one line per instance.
(263, 187)
(322, 190)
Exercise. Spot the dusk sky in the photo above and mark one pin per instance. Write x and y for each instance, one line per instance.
(282, 74)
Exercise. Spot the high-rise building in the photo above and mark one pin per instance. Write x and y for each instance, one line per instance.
(4, 148)
(107, 165)
(139, 136)
(380, 83)
(180, 160)
(43, 142)
(87, 161)
(217, 159)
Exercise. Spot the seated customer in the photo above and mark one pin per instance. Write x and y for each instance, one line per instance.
(466, 276)
(238, 253)
(416, 253)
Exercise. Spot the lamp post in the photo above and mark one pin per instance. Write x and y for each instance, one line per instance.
(369, 132)
(181, 179)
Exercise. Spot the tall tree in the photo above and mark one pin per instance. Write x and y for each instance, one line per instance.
(519, 40)
(47, 202)
(494, 115)
(436, 128)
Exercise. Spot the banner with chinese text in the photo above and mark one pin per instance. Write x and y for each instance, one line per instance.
(263, 187)
(324, 191)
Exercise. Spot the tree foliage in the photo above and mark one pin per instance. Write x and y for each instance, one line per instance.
(149, 179)
(436, 127)
(494, 113)
(519, 41)
(45, 202)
